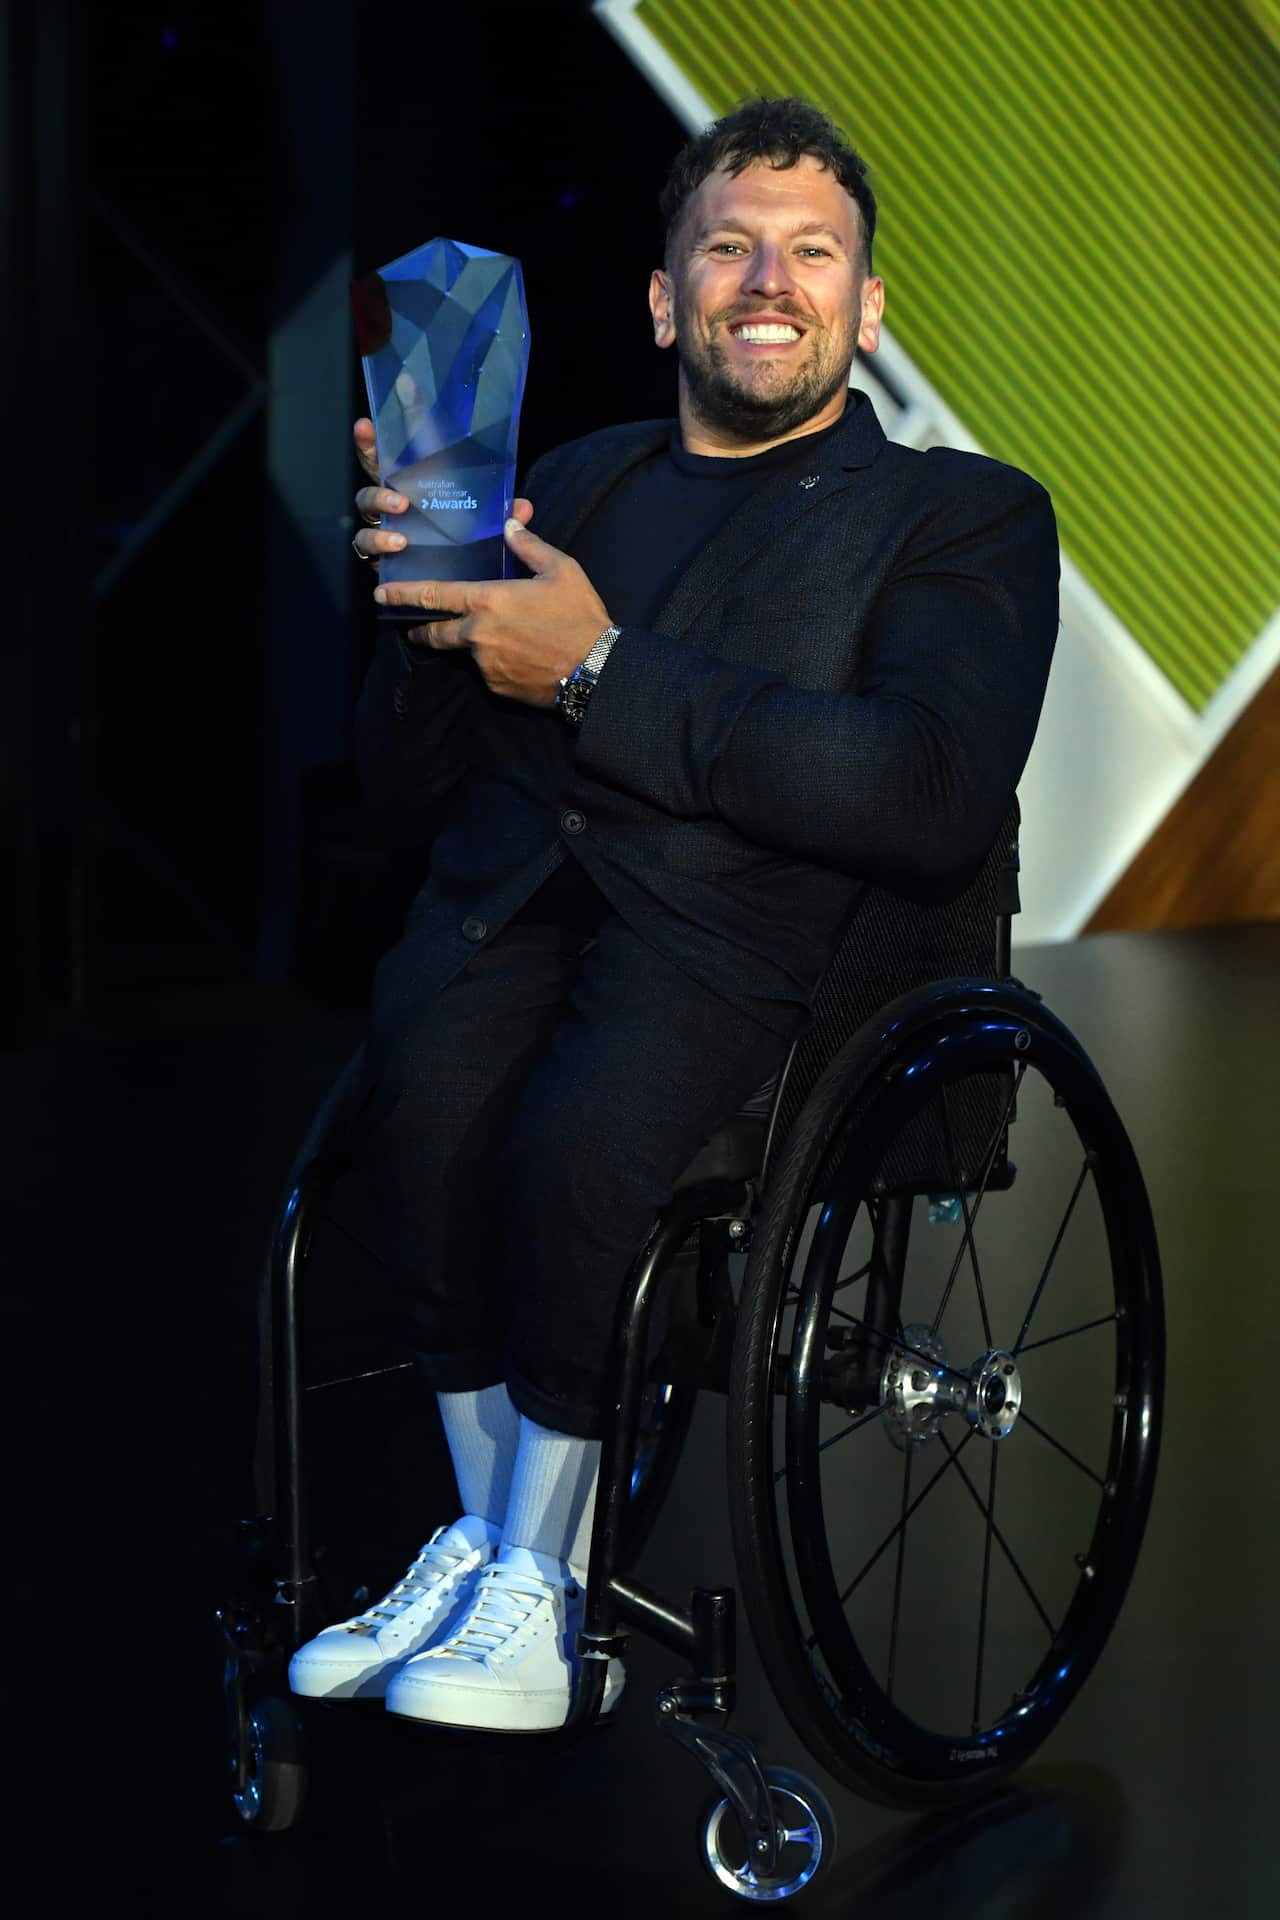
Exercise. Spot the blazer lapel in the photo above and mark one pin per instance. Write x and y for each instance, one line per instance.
(795, 490)
(584, 486)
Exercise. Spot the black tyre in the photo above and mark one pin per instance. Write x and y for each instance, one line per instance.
(936, 1524)
(806, 1840)
(268, 1768)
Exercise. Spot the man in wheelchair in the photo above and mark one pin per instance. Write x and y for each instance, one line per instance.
(757, 659)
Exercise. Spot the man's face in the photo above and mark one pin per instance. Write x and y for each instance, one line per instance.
(765, 300)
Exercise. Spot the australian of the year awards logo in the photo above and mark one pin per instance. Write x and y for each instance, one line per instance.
(445, 496)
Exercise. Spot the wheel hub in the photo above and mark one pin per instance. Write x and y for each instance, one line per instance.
(915, 1391)
(995, 1395)
(919, 1388)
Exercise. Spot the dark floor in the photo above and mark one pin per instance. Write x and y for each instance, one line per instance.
(144, 1162)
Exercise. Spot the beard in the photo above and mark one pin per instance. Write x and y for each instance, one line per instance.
(769, 411)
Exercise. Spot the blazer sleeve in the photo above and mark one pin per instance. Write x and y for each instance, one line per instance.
(912, 773)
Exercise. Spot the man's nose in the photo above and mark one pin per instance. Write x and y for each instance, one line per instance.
(769, 272)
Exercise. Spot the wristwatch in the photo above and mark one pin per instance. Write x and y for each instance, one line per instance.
(576, 689)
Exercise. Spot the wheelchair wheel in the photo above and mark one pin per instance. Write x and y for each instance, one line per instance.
(268, 1769)
(945, 1410)
(806, 1840)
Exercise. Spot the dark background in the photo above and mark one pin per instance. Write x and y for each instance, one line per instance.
(179, 665)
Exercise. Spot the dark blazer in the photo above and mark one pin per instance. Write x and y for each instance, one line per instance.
(842, 686)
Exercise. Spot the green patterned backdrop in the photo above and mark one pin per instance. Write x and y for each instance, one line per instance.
(1080, 232)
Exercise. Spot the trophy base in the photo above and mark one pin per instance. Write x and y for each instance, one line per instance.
(471, 560)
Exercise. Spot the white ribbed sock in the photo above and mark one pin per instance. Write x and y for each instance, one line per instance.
(553, 1495)
(483, 1430)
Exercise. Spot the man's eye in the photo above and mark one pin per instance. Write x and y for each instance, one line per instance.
(727, 246)
(821, 251)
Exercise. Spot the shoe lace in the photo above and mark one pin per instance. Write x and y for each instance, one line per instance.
(505, 1600)
(432, 1565)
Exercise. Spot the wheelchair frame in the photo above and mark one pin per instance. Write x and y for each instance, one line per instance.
(278, 1604)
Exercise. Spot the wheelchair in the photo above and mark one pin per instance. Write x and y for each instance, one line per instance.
(943, 1371)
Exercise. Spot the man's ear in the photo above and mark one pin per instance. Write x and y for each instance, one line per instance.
(662, 307)
(872, 313)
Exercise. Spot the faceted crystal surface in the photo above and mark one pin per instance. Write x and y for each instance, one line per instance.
(444, 340)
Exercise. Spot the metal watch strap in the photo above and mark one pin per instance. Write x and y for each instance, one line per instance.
(575, 688)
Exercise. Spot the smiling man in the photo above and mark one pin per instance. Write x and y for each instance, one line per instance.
(760, 656)
(765, 355)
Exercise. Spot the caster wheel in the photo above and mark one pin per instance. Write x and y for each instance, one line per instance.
(806, 1840)
(269, 1789)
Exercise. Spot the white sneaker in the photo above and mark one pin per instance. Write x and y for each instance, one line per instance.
(354, 1659)
(509, 1662)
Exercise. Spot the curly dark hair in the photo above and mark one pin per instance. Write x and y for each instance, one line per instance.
(778, 131)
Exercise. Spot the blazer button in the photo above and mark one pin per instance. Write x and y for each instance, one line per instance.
(473, 929)
(572, 821)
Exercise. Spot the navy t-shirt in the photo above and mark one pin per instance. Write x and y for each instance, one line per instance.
(633, 549)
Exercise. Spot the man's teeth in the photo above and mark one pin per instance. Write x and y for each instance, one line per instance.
(767, 335)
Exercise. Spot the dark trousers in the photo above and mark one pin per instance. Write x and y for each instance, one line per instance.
(528, 1124)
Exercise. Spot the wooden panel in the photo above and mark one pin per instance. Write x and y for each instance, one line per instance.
(1216, 855)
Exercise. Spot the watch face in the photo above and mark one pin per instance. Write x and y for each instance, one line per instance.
(574, 699)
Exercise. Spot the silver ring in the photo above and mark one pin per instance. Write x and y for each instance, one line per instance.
(355, 548)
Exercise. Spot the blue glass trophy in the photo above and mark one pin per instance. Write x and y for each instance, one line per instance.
(443, 335)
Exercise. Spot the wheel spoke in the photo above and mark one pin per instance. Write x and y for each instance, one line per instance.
(897, 1340)
(977, 1271)
(1103, 1320)
(953, 1455)
(1001, 1126)
(787, 1836)
(849, 1279)
(1066, 1452)
(353, 1239)
(986, 1591)
(861, 1421)
(953, 1458)
(1053, 1253)
(968, 1222)
(897, 1576)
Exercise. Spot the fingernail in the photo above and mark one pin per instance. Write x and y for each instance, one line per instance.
(398, 540)
(514, 526)
(397, 500)
(380, 595)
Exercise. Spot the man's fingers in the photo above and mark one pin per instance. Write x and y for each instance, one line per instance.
(377, 498)
(371, 501)
(442, 635)
(442, 599)
(413, 405)
(538, 555)
(366, 444)
(371, 541)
